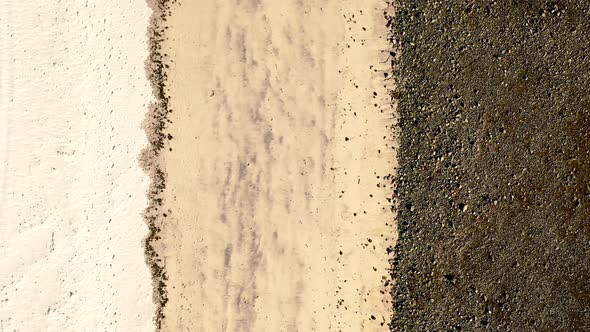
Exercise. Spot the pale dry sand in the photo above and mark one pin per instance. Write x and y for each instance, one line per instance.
(275, 214)
(73, 96)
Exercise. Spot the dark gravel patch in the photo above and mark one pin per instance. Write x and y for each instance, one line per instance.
(494, 179)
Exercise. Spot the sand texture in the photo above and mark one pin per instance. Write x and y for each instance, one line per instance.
(73, 96)
(275, 213)
(208, 165)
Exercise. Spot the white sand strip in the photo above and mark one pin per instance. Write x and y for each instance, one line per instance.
(73, 96)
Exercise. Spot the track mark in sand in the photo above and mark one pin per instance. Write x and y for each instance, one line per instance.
(270, 209)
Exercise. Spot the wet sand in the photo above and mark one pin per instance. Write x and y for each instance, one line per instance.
(275, 212)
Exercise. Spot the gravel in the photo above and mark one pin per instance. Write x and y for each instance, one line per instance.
(494, 179)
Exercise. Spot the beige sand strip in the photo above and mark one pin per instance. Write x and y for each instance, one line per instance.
(275, 214)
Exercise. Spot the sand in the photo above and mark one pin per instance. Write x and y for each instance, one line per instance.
(275, 215)
(73, 96)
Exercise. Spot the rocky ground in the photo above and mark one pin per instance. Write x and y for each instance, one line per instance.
(494, 182)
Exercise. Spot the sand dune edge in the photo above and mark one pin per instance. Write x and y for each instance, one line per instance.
(154, 124)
